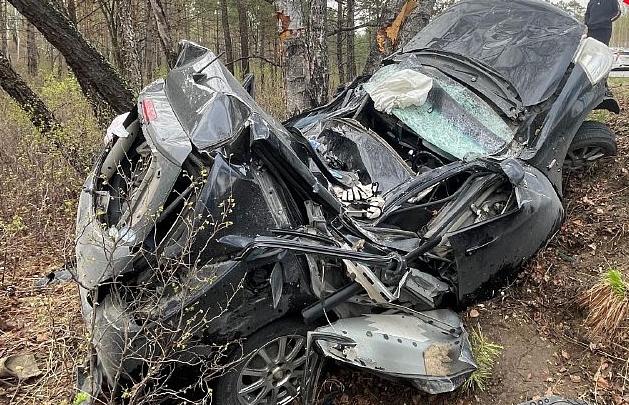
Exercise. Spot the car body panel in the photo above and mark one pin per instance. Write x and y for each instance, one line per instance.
(431, 349)
(529, 42)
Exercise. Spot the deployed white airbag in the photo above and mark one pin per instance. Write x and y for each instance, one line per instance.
(401, 89)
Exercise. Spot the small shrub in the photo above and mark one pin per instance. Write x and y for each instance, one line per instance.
(607, 305)
(485, 354)
(80, 398)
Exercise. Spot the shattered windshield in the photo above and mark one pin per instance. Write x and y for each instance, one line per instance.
(453, 118)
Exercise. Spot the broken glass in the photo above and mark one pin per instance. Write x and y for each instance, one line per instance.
(453, 118)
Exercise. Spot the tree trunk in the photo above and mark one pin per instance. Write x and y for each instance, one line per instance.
(128, 45)
(339, 41)
(398, 21)
(109, 10)
(72, 11)
(294, 55)
(243, 23)
(351, 58)
(229, 49)
(163, 29)
(31, 50)
(149, 45)
(39, 114)
(15, 37)
(4, 39)
(318, 53)
(217, 47)
(416, 21)
(98, 79)
(262, 38)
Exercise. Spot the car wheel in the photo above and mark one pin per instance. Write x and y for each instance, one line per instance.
(593, 141)
(271, 369)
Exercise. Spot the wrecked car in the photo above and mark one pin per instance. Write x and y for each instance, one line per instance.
(223, 251)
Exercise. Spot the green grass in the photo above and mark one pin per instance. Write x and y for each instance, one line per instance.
(485, 354)
(598, 115)
(615, 281)
(617, 81)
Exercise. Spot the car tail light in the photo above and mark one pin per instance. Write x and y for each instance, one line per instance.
(149, 111)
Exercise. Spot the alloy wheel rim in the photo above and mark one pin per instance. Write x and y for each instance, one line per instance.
(582, 157)
(272, 374)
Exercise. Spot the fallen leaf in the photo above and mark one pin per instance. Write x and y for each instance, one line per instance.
(474, 313)
(602, 383)
(575, 378)
(565, 355)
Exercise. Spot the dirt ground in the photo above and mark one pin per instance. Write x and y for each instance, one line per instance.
(535, 318)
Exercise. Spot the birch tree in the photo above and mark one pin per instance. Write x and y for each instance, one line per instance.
(295, 64)
(128, 45)
(398, 21)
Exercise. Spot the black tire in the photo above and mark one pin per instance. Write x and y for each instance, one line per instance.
(592, 142)
(274, 378)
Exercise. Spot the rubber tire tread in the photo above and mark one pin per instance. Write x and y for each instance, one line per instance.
(597, 134)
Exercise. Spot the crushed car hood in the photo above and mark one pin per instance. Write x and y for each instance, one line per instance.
(506, 36)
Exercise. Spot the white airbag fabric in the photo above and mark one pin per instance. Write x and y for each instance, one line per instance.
(401, 89)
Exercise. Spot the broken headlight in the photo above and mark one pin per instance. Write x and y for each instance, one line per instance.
(595, 58)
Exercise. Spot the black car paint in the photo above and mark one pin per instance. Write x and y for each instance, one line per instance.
(521, 40)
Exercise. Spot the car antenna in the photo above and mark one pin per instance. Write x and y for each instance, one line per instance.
(197, 76)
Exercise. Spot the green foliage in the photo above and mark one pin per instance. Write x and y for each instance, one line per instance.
(620, 32)
(598, 115)
(12, 227)
(80, 398)
(268, 88)
(615, 281)
(40, 187)
(485, 354)
(160, 71)
(81, 134)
